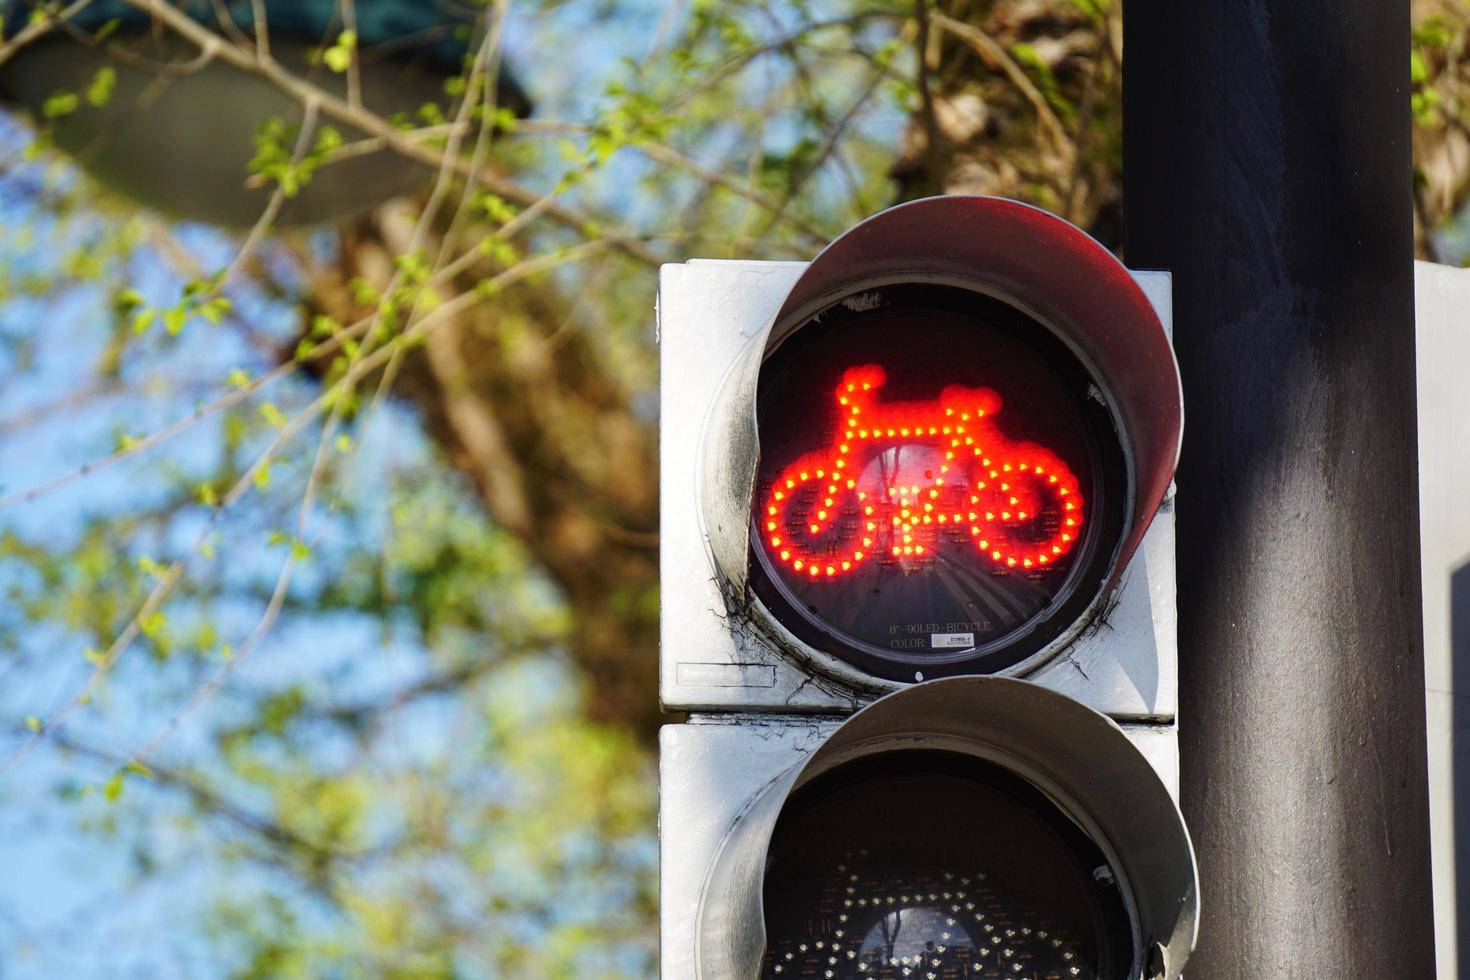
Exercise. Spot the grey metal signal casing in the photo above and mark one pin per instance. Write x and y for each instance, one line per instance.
(1087, 721)
(722, 780)
(710, 312)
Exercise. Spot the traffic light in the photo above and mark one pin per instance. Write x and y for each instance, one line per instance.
(917, 566)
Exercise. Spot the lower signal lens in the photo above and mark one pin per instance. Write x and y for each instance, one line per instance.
(938, 867)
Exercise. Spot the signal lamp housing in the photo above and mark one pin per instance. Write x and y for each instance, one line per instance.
(966, 827)
(946, 448)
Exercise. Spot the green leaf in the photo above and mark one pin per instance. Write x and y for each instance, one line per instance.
(239, 379)
(33, 723)
(273, 415)
(339, 56)
(99, 93)
(113, 788)
(60, 104)
(215, 309)
(1418, 70)
(138, 769)
(127, 301)
(173, 320)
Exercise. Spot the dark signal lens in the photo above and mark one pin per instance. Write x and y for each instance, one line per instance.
(938, 478)
(923, 865)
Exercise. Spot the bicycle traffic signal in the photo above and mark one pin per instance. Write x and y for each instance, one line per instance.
(923, 469)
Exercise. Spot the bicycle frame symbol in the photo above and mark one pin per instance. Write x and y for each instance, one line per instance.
(901, 477)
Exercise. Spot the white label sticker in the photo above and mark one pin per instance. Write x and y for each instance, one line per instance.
(951, 641)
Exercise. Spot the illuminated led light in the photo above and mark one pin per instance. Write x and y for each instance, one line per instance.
(1030, 500)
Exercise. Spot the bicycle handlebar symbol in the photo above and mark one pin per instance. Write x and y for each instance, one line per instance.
(900, 477)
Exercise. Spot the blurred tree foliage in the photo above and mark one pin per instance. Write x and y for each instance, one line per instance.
(330, 556)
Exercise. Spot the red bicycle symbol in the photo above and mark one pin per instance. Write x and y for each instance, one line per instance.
(902, 477)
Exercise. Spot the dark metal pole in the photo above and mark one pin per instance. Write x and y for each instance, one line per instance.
(1267, 163)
